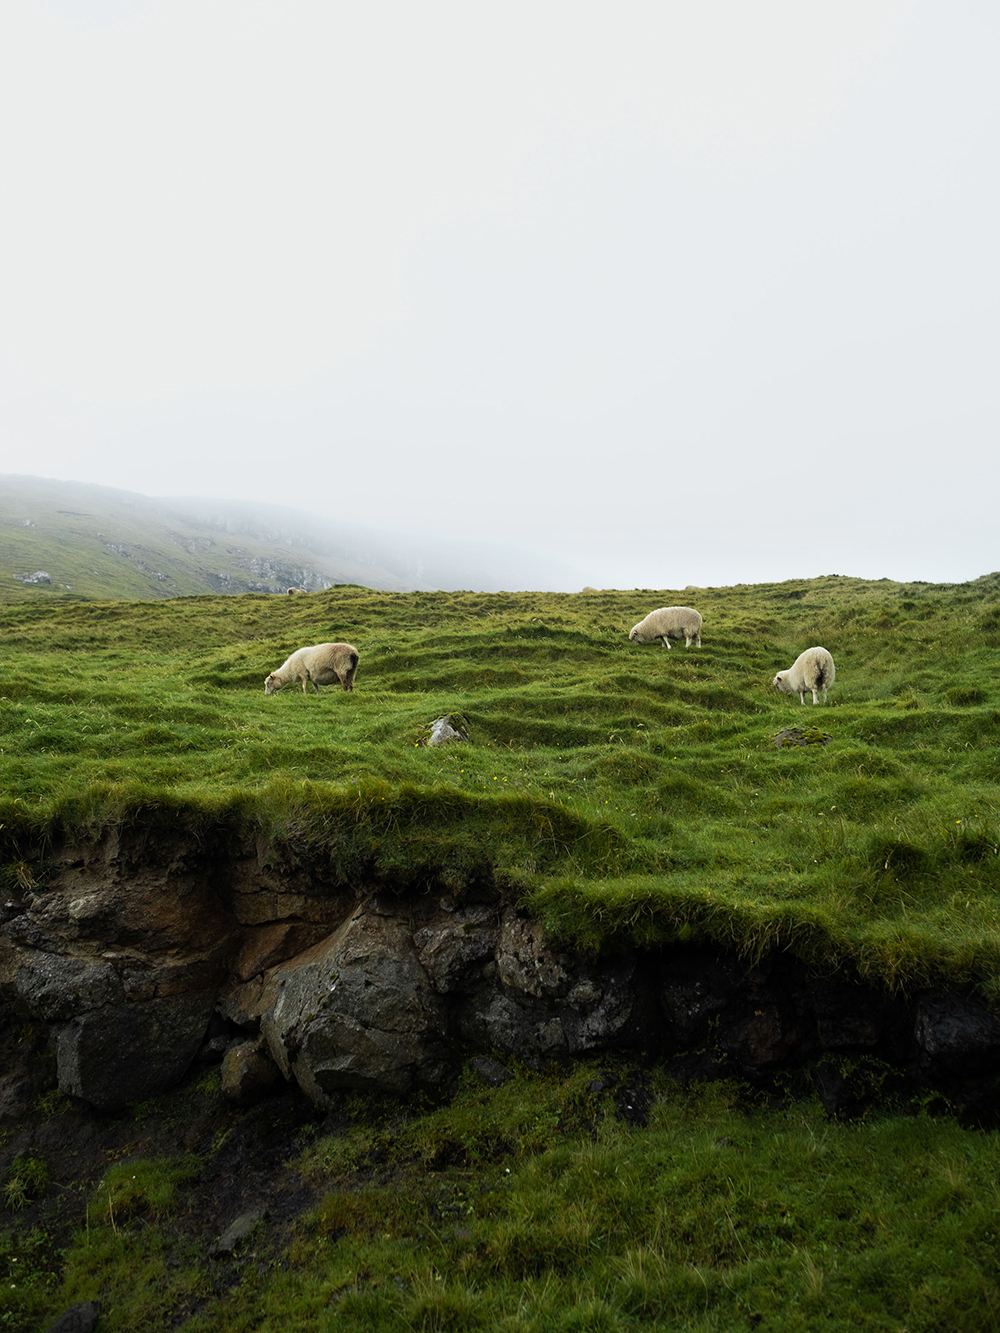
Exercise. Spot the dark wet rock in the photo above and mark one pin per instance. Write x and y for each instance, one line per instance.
(449, 949)
(16, 1093)
(80, 1318)
(541, 1005)
(696, 990)
(357, 1011)
(25, 931)
(956, 1034)
(855, 1018)
(495, 1074)
(216, 1041)
(610, 1005)
(527, 962)
(56, 988)
(248, 1074)
(777, 1025)
(774, 1013)
(496, 1021)
(126, 1053)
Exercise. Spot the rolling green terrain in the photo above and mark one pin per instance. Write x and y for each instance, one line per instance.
(622, 794)
(99, 542)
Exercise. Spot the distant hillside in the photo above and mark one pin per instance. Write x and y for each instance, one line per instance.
(99, 542)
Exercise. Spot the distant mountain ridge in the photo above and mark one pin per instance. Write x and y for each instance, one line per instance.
(100, 542)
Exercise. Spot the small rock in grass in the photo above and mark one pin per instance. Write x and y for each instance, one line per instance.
(237, 1231)
(491, 1070)
(446, 729)
(801, 736)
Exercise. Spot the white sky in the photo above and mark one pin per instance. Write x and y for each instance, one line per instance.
(700, 292)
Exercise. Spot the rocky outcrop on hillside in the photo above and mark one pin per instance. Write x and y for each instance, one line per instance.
(147, 952)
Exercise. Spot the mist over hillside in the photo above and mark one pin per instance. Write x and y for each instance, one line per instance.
(97, 541)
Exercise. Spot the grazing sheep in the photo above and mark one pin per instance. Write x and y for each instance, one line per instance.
(812, 670)
(293, 591)
(322, 664)
(669, 622)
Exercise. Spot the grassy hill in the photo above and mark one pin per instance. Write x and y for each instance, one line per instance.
(625, 793)
(96, 542)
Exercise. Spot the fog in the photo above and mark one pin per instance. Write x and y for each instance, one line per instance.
(648, 295)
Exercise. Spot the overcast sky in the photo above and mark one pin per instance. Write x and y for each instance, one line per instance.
(696, 292)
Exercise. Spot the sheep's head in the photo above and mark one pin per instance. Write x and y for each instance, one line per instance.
(271, 684)
(635, 636)
(781, 684)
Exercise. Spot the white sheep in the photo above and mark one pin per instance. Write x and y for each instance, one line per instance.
(669, 622)
(322, 664)
(812, 670)
(292, 591)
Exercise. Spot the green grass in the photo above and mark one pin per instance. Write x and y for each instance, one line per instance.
(535, 1207)
(623, 793)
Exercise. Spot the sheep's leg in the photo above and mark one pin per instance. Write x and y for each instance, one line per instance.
(666, 640)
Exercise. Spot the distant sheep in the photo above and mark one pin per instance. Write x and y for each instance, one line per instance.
(322, 664)
(812, 670)
(293, 591)
(669, 622)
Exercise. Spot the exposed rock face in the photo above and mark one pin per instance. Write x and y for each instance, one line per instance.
(457, 945)
(146, 953)
(122, 1053)
(357, 1011)
(540, 1003)
(956, 1034)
